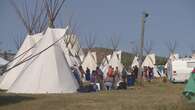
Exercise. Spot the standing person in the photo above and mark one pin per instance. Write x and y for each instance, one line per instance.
(93, 77)
(76, 75)
(87, 74)
(110, 71)
(99, 75)
(124, 75)
(135, 71)
(151, 74)
(82, 72)
(116, 77)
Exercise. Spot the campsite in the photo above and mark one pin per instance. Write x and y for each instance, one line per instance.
(96, 55)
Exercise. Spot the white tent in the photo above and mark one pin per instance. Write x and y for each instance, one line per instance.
(48, 72)
(74, 46)
(3, 61)
(73, 50)
(119, 53)
(172, 57)
(105, 65)
(149, 60)
(94, 56)
(9, 77)
(90, 61)
(71, 60)
(114, 61)
(135, 62)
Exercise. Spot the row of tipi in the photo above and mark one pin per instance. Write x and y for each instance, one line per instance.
(42, 65)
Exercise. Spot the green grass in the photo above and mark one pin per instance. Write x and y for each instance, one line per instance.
(153, 96)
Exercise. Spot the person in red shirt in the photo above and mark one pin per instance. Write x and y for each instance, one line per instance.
(110, 72)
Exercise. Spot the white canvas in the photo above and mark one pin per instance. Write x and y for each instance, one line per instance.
(172, 57)
(89, 61)
(9, 77)
(48, 72)
(135, 62)
(149, 60)
(114, 61)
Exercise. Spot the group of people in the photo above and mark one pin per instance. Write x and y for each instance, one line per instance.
(146, 72)
(112, 79)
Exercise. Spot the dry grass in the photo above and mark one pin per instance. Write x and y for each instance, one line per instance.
(154, 96)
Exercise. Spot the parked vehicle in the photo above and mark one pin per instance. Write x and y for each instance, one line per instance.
(179, 70)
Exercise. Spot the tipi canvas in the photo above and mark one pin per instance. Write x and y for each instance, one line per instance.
(114, 61)
(149, 61)
(47, 72)
(24, 52)
(135, 62)
(90, 61)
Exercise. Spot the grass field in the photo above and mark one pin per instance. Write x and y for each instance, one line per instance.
(153, 96)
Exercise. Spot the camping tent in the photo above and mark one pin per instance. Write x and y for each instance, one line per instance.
(114, 61)
(25, 51)
(172, 57)
(90, 61)
(135, 62)
(149, 60)
(74, 46)
(73, 51)
(48, 71)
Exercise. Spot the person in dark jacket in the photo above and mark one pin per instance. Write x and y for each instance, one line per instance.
(87, 74)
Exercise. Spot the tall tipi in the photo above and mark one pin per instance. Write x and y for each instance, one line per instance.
(48, 71)
(114, 61)
(149, 60)
(135, 62)
(90, 61)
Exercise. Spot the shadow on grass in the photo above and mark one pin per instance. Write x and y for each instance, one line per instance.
(12, 99)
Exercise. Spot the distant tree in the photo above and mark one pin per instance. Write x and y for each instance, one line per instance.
(115, 42)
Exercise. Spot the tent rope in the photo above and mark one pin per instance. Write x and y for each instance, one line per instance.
(27, 59)
(25, 52)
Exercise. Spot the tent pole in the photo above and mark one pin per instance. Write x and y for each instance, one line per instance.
(144, 16)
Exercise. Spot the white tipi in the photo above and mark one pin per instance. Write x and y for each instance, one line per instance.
(24, 52)
(172, 57)
(135, 62)
(114, 61)
(48, 72)
(149, 60)
(90, 61)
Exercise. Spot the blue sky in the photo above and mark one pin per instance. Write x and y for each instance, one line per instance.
(168, 20)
